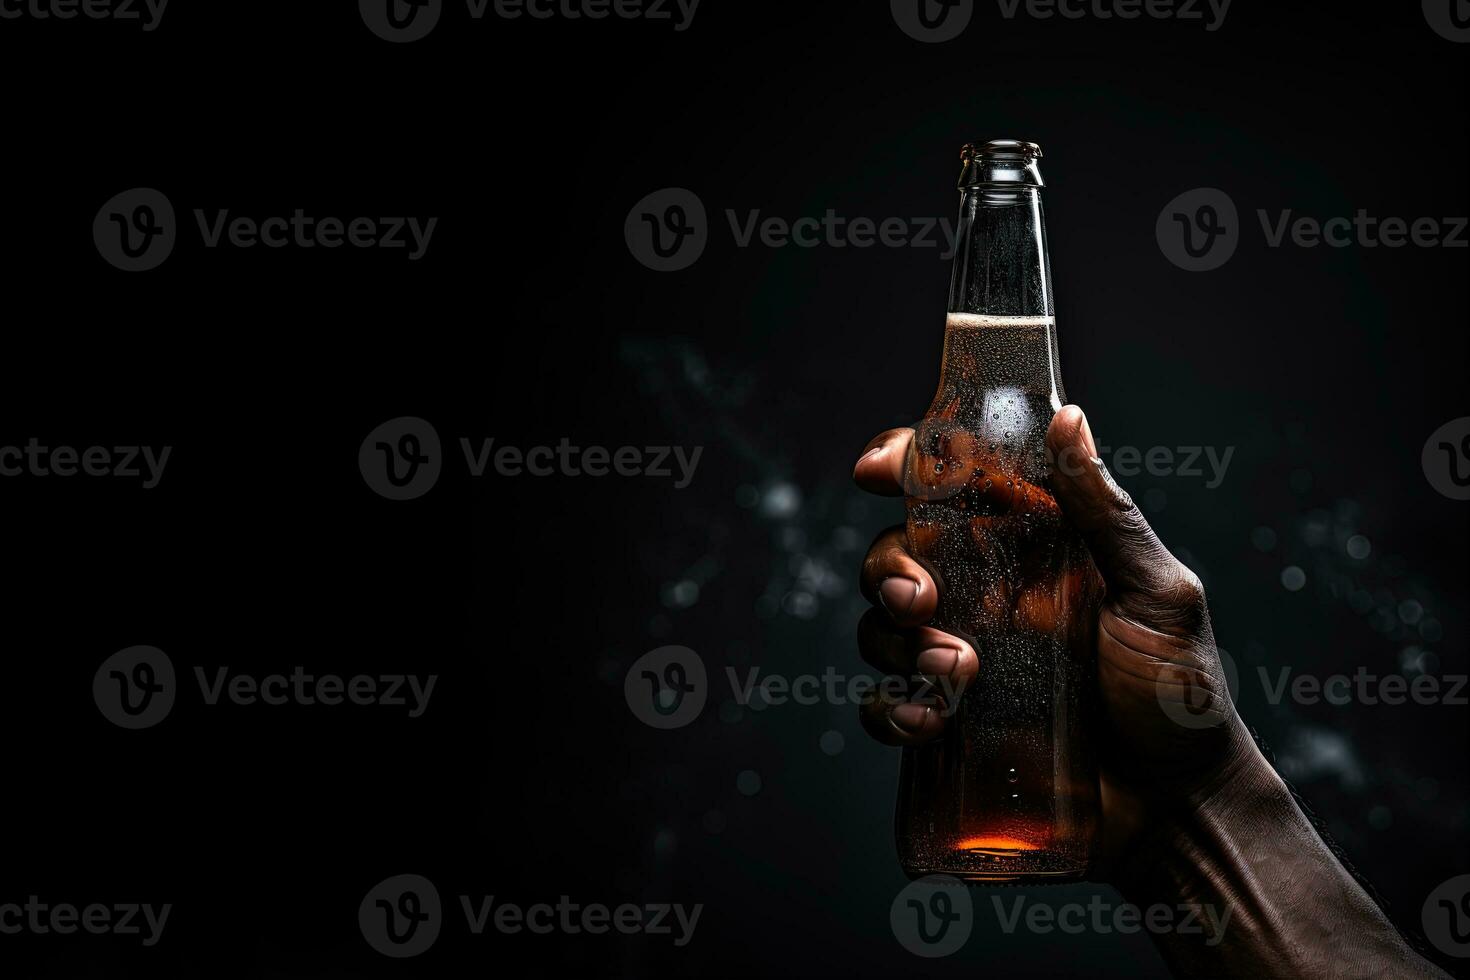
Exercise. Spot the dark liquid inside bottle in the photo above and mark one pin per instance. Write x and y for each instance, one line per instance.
(1009, 791)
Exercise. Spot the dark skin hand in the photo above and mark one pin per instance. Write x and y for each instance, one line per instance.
(1191, 813)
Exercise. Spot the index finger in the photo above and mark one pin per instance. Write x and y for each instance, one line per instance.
(880, 468)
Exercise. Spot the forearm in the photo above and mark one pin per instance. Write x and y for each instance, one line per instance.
(1245, 851)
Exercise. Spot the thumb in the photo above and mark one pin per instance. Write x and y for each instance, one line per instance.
(1129, 555)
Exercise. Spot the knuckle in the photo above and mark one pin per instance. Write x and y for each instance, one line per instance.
(1182, 598)
(873, 561)
(1185, 587)
(873, 717)
(886, 552)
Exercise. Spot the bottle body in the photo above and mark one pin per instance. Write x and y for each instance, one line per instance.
(1009, 792)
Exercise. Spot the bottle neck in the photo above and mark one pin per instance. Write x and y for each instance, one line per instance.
(1001, 268)
(1001, 329)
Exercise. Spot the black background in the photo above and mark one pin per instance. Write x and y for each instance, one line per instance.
(529, 321)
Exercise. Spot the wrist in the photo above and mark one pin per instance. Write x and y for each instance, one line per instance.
(1223, 812)
(1241, 850)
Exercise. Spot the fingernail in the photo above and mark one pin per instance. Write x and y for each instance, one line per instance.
(898, 595)
(1087, 441)
(910, 717)
(937, 661)
(865, 457)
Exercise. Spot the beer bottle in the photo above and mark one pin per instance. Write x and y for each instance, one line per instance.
(1009, 792)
